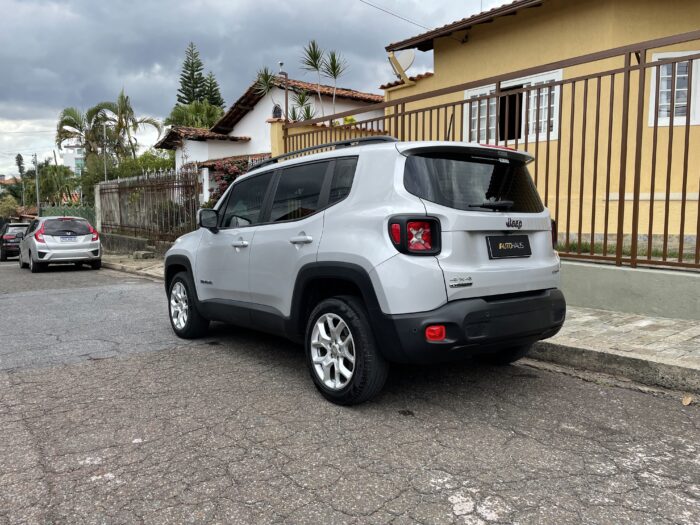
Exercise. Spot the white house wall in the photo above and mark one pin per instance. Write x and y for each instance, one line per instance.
(254, 123)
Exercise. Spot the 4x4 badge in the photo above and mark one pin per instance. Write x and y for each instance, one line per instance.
(460, 282)
(514, 223)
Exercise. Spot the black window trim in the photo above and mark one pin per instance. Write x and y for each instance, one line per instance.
(263, 207)
(266, 208)
(322, 197)
(325, 188)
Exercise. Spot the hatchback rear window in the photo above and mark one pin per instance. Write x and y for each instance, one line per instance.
(66, 227)
(473, 183)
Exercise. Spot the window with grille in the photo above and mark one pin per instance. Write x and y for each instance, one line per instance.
(674, 90)
(529, 112)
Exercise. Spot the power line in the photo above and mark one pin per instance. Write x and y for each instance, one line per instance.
(35, 131)
(396, 15)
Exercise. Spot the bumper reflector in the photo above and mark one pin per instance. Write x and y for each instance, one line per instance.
(435, 332)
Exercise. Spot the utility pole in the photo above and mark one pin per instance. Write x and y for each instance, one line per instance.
(36, 180)
(104, 147)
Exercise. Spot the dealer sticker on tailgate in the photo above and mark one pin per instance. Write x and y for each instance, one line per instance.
(508, 246)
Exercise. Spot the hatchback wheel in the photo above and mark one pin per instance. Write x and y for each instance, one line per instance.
(185, 319)
(34, 266)
(341, 353)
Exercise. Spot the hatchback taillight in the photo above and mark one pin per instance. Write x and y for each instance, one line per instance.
(415, 235)
(39, 235)
(95, 235)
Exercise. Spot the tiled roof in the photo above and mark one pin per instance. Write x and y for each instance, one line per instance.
(176, 134)
(424, 41)
(254, 157)
(251, 97)
(351, 94)
(413, 78)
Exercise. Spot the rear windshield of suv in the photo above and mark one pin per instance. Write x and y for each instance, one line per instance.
(17, 229)
(66, 227)
(473, 183)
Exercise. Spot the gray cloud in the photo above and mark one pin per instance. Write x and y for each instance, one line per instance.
(58, 53)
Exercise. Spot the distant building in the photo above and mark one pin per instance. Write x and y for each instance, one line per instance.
(74, 158)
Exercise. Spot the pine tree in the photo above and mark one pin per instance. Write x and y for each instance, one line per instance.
(19, 160)
(212, 93)
(192, 82)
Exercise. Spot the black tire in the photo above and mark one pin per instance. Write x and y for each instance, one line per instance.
(370, 369)
(195, 326)
(3, 255)
(35, 267)
(22, 265)
(96, 265)
(506, 356)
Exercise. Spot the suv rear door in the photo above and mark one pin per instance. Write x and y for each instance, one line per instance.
(496, 233)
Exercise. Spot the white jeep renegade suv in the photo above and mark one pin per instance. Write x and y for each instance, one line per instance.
(376, 251)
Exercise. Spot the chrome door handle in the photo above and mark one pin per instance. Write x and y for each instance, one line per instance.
(240, 243)
(301, 239)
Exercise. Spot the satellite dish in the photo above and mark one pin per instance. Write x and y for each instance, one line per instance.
(404, 60)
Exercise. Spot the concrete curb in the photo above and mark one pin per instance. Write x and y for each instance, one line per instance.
(127, 269)
(645, 371)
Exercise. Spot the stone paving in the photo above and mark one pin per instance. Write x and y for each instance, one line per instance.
(660, 339)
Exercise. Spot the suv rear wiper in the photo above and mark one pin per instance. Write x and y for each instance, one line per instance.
(497, 205)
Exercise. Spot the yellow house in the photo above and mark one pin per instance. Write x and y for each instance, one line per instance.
(609, 161)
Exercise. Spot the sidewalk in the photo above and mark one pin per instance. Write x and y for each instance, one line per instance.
(653, 351)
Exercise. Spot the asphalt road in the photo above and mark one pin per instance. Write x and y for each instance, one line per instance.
(105, 417)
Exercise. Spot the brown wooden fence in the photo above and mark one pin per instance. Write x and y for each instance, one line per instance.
(159, 206)
(615, 135)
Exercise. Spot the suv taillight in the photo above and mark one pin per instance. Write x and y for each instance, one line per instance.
(7, 237)
(555, 235)
(39, 235)
(95, 235)
(415, 235)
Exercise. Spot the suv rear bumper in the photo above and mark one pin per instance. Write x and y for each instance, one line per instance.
(474, 326)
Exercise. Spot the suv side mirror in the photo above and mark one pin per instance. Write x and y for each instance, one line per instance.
(209, 219)
(19, 235)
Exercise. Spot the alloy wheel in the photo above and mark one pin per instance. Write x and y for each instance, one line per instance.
(333, 351)
(179, 306)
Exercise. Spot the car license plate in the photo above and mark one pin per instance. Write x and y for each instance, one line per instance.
(69, 239)
(508, 246)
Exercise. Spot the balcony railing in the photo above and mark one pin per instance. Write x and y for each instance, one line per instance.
(615, 136)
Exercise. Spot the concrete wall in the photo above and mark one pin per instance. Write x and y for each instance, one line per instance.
(661, 293)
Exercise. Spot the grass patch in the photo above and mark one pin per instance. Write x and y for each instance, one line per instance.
(642, 249)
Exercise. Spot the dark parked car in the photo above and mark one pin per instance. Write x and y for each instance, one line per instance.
(9, 242)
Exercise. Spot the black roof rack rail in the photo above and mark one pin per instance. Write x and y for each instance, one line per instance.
(360, 141)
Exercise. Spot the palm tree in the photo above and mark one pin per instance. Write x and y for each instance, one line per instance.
(333, 67)
(125, 123)
(312, 60)
(84, 128)
(198, 114)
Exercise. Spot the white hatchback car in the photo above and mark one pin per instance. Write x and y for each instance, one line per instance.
(376, 251)
(51, 240)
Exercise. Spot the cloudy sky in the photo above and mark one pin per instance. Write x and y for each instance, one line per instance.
(59, 53)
